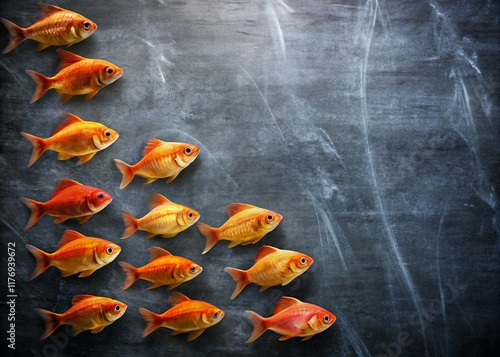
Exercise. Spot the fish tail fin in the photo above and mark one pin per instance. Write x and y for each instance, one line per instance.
(131, 225)
(259, 325)
(39, 147)
(127, 172)
(43, 84)
(241, 278)
(132, 274)
(153, 321)
(52, 321)
(17, 35)
(42, 260)
(37, 211)
(212, 235)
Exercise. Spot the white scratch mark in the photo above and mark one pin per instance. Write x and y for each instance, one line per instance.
(278, 32)
(287, 8)
(332, 147)
(440, 283)
(265, 102)
(13, 230)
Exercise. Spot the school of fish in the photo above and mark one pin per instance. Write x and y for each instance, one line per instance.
(79, 254)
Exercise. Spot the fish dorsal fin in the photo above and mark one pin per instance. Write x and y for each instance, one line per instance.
(69, 236)
(152, 144)
(285, 302)
(70, 119)
(265, 251)
(176, 298)
(157, 252)
(67, 59)
(235, 208)
(63, 184)
(81, 297)
(158, 200)
(48, 10)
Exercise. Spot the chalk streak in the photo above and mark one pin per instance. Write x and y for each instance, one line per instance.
(279, 33)
(440, 283)
(13, 229)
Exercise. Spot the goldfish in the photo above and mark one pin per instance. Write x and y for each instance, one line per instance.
(76, 254)
(76, 75)
(87, 312)
(292, 318)
(55, 27)
(166, 218)
(247, 224)
(73, 137)
(163, 269)
(70, 199)
(161, 160)
(272, 267)
(192, 316)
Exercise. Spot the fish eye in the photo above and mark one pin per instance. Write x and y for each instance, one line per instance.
(190, 214)
(188, 151)
(86, 25)
(193, 269)
(117, 308)
(216, 315)
(326, 318)
(100, 195)
(110, 70)
(108, 134)
(303, 260)
(109, 250)
(270, 217)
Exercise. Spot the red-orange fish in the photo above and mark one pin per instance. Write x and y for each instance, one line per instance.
(247, 224)
(292, 318)
(70, 199)
(166, 218)
(55, 27)
(77, 76)
(191, 316)
(272, 267)
(76, 254)
(161, 160)
(163, 269)
(87, 313)
(73, 137)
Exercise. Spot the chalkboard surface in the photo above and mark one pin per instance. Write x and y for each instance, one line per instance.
(371, 126)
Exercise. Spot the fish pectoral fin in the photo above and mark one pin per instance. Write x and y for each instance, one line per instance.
(97, 329)
(284, 338)
(263, 288)
(84, 219)
(306, 338)
(169, 235)
(91, 95)
(42, 46)
(77, 330)
(177, 332)
(149, 181)
(63, 156)
(287, 281)
(233, 244)
(172, 178)
(174, 285)
(65, 97)
(60, 219)
(155, 285)
(65, 273)
(195, 334)
(151, 235)
(87, 272)
(85, 158)
(205, 319)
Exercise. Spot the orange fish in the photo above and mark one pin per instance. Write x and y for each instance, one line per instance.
(247, 224)
(186, 315)
(272, 267)
(70, 199)
(292, 318)
(87, 313)
(166, 218)
(163, 269)
(76, 254)
(73, 137)
(161, 160)
(76, 76)
(55, 27)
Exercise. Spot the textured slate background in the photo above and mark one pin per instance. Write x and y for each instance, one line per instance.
(372, 126)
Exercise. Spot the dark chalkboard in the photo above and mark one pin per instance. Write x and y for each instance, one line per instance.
(371, 126)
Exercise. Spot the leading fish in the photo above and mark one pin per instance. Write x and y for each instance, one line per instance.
(73, 137)
(76, 254)
(87, 313)
(292, 318)
(161, 160)
(166, 218)
(163, 269)
(76, 75)
(55, 27)
(272, 267)
(247, 224)
(186, 316)
(70, 199)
